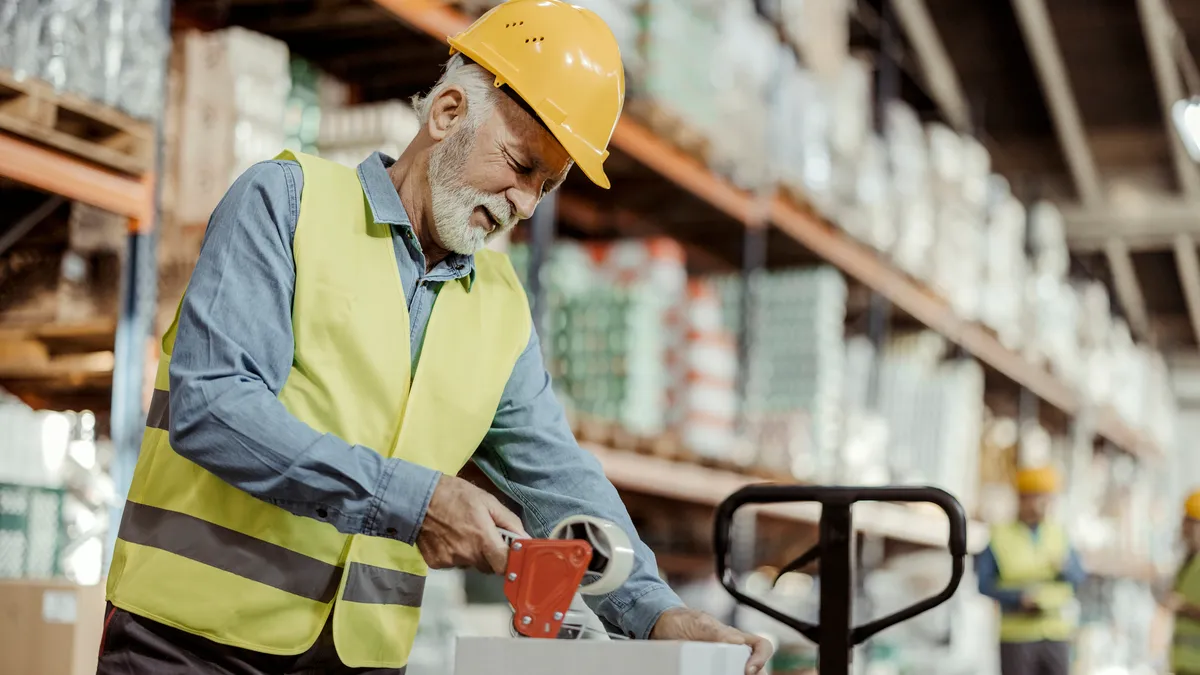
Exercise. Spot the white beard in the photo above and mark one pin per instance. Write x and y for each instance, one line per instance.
(454, 201)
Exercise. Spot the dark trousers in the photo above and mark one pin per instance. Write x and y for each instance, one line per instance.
(133, 645)
(1035, 658)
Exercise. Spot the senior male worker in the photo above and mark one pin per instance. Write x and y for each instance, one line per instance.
(345, 346)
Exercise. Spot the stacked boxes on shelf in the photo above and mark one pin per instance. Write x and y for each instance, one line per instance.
(110, 51)
(960, 168)
(348, 135)
(913, 190)
(302, 117)
(672, 66)
(1002, 306)
(236, 85)
(651, 275)
(706, 404)
(794, 372)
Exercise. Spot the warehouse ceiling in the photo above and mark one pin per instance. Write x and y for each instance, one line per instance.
(1111, 162)
(1067, 94)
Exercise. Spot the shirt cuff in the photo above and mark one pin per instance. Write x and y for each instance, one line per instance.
(401, 501)
(641, 616)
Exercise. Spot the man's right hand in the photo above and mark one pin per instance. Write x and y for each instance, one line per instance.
(461, 528)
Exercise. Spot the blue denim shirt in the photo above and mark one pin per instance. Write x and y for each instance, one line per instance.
(988, 572)
(233, 353)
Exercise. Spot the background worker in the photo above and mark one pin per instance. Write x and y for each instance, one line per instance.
(1032, 572)
(1184, 602)
(345, 345)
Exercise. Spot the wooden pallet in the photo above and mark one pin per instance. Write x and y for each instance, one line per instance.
(32, 109)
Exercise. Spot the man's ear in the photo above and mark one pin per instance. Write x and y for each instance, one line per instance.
(449, 107)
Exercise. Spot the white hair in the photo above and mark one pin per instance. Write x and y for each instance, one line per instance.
(474, 79)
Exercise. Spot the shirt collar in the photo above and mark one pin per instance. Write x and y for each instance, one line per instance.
(386, 208)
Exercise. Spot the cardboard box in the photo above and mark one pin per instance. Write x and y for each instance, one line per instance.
(49, 627)
(510, 656)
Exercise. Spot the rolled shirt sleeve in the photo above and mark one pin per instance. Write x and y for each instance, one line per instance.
(232, 355)
(532, 456)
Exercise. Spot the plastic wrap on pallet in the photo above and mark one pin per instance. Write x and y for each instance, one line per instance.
(745, 68)
(794, 374)
(110, 51)
(1095, 341)
(911, 188)
(234, 104)
(348, 135)
(870, 217)
(302, 116)
(1048, 240)
(1002, 306)
(803, 127)
(850, 132)
(706, 404)
(677, 44)
(653, 275)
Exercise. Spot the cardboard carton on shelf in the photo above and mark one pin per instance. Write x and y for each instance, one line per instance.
(50, 627)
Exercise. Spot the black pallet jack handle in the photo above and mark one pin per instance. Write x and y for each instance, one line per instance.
(834, 635)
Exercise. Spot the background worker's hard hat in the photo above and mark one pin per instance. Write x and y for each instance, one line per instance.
(1192, 506)
(1037, 481)
(563, 61)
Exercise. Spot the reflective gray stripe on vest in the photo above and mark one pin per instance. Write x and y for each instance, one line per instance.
(229, 550)
(382, 586)
(160, 411)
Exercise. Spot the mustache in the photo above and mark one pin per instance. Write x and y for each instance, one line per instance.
(500, 210)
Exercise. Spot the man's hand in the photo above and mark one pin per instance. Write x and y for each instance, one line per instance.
(693, 625)
(1028, 604)
(460, 528)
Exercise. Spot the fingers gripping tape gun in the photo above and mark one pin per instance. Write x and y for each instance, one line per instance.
(584, 555)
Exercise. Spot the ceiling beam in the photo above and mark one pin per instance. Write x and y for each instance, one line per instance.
(1150, 225)
(1160, 30)
(1189, 278)
(945, 88)
(1129, 293)
(1038, 31)
(1064, 111)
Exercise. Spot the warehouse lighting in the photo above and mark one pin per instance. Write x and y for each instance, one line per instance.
(1186, 116)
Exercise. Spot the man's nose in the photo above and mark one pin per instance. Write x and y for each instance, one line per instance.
(524, 201)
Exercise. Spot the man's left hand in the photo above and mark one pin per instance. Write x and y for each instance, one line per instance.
(693, 625)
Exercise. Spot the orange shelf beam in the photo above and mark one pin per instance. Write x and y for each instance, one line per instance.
(440, 21)
(75, 179)
(696, 484)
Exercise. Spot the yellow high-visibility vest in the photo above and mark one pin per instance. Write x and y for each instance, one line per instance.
(1185, 643)
(196, 553)
(1034, 565)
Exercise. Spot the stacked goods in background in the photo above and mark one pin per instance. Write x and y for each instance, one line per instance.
(793, 373)
(350, 134)
(109, 51)
(55, 492)
(920, 422)
(234, 98)
(705, 410)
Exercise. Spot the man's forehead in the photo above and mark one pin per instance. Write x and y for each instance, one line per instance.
(533, 135)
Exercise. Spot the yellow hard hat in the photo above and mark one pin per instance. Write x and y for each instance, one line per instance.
(1192, 506)
(1037, 481)
(563, 61)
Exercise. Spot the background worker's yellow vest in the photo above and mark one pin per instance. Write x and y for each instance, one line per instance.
(1034, 565)
(1185, 647)
(195, 553)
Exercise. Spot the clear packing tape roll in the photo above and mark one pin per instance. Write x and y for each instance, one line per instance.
(612, 552)
(609, 568)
